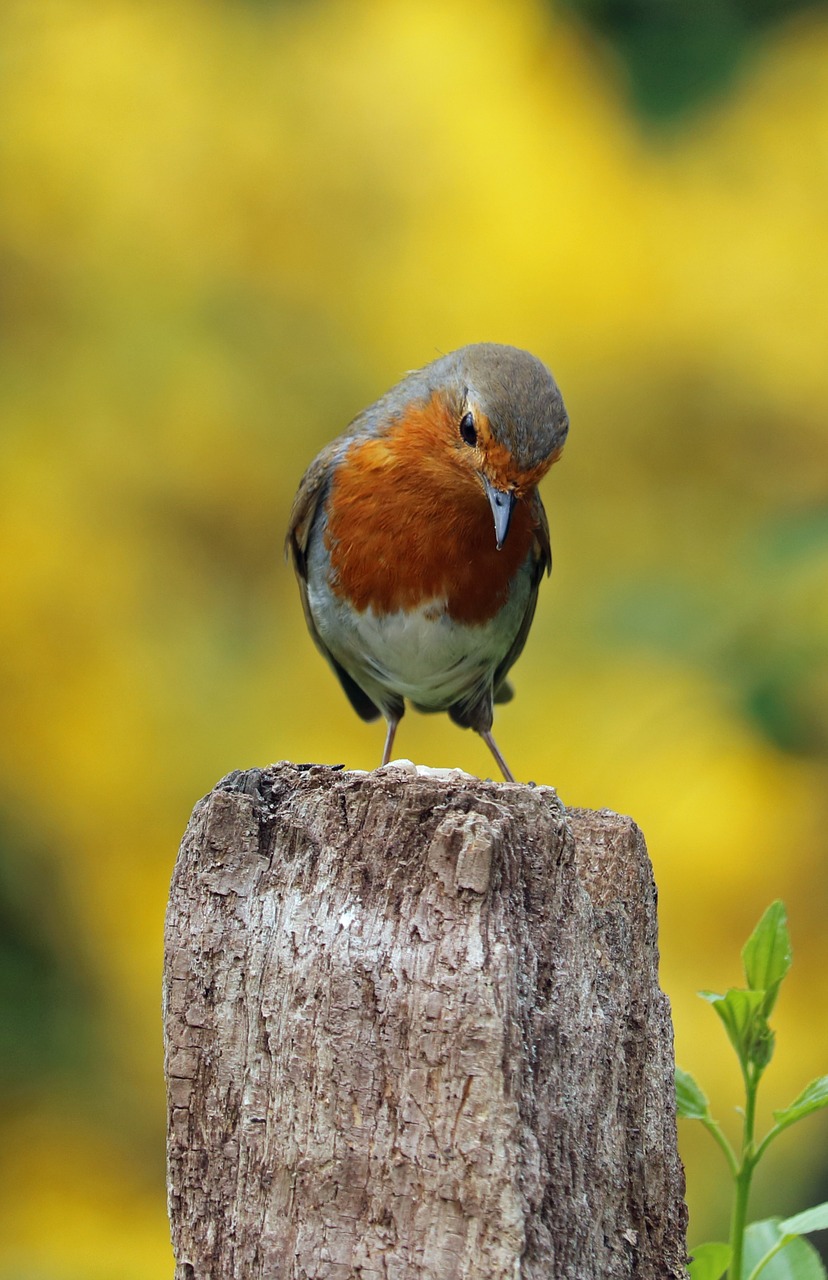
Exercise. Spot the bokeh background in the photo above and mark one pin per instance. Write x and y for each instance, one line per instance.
(225, 227)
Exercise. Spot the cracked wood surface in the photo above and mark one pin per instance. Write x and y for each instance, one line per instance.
(413, 1028)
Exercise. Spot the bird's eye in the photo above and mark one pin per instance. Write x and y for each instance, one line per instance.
(467, 429)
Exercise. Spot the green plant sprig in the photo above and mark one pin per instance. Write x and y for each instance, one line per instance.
(773, 1249)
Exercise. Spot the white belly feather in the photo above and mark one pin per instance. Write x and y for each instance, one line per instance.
(421, 654)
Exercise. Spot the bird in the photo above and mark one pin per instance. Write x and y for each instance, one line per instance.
(419, 538)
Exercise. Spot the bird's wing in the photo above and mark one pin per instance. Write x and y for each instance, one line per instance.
(542, 563)
(475, 710)
(313, 491)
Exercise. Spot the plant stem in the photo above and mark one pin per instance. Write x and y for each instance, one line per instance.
(767, 1140)
(715, 1132)
(737, 1222)
(743, 1177)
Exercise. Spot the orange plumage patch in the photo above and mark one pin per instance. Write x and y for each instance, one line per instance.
(501, 468)
(409, 521)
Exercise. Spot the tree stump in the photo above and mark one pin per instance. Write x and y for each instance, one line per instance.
(413, 1028)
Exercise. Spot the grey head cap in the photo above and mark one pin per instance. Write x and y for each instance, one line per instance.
(515, 391)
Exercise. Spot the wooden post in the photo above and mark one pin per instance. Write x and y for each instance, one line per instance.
(413, 1028)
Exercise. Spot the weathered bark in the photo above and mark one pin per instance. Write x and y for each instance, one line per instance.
(414, 1029)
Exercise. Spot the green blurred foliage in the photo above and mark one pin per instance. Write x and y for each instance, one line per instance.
(677, 54)
(47, 1029)
(225, 229)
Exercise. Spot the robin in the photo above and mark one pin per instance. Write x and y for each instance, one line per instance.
(419, 538)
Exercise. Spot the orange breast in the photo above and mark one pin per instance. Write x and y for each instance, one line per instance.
(408, 521)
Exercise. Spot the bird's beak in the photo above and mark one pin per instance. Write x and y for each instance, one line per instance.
(502, 504)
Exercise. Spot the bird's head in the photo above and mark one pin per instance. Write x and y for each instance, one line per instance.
(508, 420)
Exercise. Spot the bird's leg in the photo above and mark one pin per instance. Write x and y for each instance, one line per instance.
(389, 739)
(486, 735)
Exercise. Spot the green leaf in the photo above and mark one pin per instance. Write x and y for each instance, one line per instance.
(739, 1011)
(812, 1098)
(766, 956)
(691, 1103)
(709, 1261)
(797, 1260)
(762, 1045)
(800, 1224)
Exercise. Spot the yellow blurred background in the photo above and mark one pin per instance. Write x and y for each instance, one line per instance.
(224, 229)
